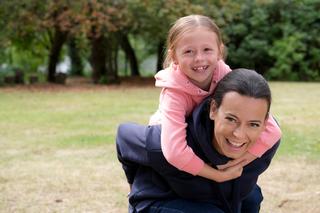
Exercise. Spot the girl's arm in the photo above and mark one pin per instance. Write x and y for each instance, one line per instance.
(174, 108)
(268, 138)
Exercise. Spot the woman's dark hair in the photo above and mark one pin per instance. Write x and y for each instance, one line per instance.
(245, 82)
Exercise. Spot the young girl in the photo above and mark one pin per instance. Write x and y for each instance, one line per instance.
(193, 66)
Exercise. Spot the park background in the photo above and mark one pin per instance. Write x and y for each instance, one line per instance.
(71, 71)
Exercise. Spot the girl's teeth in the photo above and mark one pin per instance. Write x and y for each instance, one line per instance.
(200, 68)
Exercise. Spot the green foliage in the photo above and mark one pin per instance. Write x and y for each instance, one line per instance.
(277, 38)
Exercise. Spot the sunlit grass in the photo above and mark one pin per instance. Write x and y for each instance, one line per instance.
(296, 105)
(90, 118)
(71, 118)
(58, 146)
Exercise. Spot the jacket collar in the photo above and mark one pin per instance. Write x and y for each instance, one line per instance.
(201, 127)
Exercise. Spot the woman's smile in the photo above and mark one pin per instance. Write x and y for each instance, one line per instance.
(238, 123)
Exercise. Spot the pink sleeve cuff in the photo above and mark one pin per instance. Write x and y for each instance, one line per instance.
(267, 139)
(258, 149)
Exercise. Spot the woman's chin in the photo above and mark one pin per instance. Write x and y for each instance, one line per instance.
(232, 151)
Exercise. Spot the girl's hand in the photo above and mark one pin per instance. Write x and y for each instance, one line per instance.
(231, 172)
(246, 158)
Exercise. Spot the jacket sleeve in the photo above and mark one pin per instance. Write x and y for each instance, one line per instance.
(131, 148)
(267, 139)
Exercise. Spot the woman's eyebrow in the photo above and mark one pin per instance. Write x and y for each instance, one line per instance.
(232, 115)
(255, 121)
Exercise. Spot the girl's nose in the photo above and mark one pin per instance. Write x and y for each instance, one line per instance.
(199, 56)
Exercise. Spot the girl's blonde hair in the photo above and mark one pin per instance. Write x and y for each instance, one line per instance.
(183, 25)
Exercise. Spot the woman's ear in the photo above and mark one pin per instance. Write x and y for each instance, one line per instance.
(213, 109)
(266, 120)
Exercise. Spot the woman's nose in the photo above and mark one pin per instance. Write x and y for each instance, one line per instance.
(239, 132)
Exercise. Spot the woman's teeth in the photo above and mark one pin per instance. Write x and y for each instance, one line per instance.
(235, 144)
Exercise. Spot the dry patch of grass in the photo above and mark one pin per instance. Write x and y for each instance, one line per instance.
(69, 180)
(291, 185)
(91, 180)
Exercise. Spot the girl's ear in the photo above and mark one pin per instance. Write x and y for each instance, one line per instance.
(222, 54)
(172, 56)
(213, 110)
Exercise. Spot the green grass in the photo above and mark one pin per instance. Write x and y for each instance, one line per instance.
(57, 146)
(69, 118)
(296, 106)
(90, 117)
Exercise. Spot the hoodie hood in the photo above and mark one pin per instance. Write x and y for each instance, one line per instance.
(173, 78)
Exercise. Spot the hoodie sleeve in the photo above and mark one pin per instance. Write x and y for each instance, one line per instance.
(267, 139)
(174, 108)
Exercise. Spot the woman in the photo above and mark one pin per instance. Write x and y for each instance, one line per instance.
(220, 129)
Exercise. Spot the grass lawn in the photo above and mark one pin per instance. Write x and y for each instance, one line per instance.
(58, 153)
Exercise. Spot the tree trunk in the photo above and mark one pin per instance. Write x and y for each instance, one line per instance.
(112, 60)
(130, 54)
(58, 40)
(76, 61)
(98, 58)
(160, 55)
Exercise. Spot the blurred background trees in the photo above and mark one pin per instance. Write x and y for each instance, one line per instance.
(105, 39)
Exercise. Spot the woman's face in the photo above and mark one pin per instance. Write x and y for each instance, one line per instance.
(238, 123)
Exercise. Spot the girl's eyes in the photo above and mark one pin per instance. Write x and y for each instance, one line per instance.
(188, 52)
(192, 51)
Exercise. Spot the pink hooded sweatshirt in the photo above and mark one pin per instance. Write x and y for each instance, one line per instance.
(178, 98)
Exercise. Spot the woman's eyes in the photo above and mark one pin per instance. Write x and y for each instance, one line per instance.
(233, 120)
(230, 119)
(255, 125)
(208, 49)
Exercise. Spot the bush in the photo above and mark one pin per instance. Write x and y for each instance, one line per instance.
(278, 39)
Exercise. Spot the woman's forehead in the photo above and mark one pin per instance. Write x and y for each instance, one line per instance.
(244, 107)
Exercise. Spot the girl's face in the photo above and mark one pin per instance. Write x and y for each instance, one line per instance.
(238, 123)
(197, 54)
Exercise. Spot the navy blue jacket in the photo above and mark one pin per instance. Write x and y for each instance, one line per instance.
(153, 178)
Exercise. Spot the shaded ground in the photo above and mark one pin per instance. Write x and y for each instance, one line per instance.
(80, 83)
